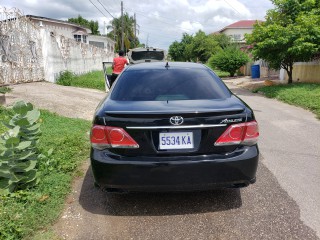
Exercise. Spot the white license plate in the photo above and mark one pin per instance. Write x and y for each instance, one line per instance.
(176, 140)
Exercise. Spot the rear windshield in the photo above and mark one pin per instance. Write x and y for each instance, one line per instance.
(171, 84)
(142, 55)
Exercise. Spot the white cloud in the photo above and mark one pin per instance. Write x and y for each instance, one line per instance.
(163, 21)
(191, 27)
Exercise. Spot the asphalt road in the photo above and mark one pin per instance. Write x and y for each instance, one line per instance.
(282, 204)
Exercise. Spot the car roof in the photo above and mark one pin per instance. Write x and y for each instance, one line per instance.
(163, 65)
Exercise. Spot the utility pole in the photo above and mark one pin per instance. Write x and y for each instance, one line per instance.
(147, 40)
(135, 29)
(122, 27)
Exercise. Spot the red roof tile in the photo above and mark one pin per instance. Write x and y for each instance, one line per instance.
(241, 24)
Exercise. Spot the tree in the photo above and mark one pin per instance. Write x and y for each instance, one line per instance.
(130, 41)
(194, 48)
(222, 39)
(92, 25)
(290, 34)
(178, 51)
(229, 59)
(202, 47)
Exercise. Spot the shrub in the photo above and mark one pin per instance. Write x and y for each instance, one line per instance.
(18, 149)
(5, 90)
(65, 78)
(229, 60)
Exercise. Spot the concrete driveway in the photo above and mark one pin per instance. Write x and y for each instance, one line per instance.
(282, 204)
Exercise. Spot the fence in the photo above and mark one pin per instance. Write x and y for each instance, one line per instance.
(31, 53)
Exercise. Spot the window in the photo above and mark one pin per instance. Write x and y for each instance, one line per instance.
(77, 38)
(84, 38)
(168, 85)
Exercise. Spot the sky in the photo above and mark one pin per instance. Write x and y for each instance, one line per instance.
(160, 22)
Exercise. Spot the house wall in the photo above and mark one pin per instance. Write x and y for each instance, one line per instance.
(108, 44)
(237, 31)
(305, 72)
(56, 28)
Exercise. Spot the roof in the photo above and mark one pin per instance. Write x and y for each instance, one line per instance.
(57, 21)
(162, 65)
(241, 24)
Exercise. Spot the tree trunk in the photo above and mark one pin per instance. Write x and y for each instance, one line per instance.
(289, 77)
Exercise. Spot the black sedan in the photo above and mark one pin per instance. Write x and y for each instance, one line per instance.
(172, 127)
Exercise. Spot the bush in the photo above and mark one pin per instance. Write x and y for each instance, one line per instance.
(229, 60)
(5, 90)
(65, 78)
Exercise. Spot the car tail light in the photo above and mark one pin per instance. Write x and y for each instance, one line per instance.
(241, 133)
(111, 137)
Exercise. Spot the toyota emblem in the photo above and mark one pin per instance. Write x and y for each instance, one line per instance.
(176, 120)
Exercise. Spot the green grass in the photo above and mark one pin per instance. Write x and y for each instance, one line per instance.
(27, 212)
(306, 95)
(94, 79)
(220, 73)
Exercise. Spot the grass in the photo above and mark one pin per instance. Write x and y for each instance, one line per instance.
(220, 73)
(94, 79)
(25, 213)
(305, 95)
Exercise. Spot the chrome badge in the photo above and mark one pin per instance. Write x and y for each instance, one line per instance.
(176, 120)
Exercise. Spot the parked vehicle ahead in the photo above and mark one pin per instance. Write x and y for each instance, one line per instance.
(140, 55)
(172, 126)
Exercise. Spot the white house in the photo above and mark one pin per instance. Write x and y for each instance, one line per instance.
(238, 30)
(73, 31)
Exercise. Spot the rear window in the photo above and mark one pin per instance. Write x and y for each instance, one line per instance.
(142, 55)
(171, 84)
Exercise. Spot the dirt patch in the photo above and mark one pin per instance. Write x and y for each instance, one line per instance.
(67, 101)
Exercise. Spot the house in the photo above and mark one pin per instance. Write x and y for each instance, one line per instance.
(238, 30)
(73, 31)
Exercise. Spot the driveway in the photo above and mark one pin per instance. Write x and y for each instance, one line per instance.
(282, 204)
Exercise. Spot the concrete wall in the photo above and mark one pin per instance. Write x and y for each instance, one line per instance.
(60, 54)
(29, 52)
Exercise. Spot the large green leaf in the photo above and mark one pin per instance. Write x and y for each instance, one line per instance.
(5, 171)
(24, 166)
(33, 116)
(23, 145)
(22, 107)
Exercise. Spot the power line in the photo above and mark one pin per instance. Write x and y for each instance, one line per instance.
(98, 9)
(232, 7)
(105, 9)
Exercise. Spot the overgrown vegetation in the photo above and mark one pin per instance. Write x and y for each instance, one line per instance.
(229, 59)
(197, 48)
(19, 153)
(26, 211)
(306, 95)
(94, 79)
(5, 90)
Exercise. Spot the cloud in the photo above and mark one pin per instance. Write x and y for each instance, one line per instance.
(161, 21)
(191, 27)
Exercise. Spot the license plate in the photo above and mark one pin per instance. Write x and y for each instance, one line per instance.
(176, 140)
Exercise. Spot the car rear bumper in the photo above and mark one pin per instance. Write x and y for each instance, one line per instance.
(115, 173)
